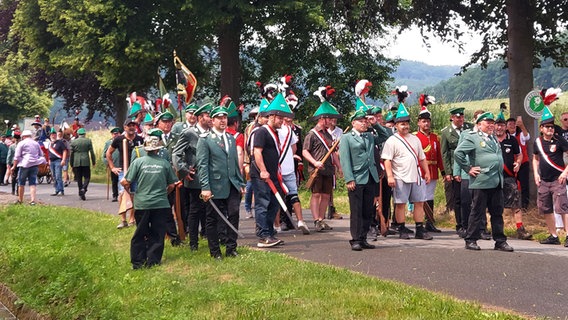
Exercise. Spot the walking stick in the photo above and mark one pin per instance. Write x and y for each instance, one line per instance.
(314, 174)
(179, 220)
(379, 208)
(108, 182)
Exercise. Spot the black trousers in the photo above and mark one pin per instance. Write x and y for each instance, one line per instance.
(184, 193)
(230, 208)
(523, 176)
(114, 184)
(147, 244)
(456, 190)
(197, 210)
(362, 210)
(83, 177)
(2, 172)
(465, 201)
(483, 200)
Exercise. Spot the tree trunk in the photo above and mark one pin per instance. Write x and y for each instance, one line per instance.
(120, 108)
(520, 55)
(229, 36)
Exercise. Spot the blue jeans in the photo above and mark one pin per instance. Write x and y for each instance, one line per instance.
(57, 174)
(248, 196)
(265, 208)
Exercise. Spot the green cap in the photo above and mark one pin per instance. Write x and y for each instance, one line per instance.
(148, 119)
(165, 116)
(232, 110)
(375, 110)
(191, 108)
(389, 117)
(457, 111)
(326, 110)
(263, 106)
(500, 117)
(136, 107)
(485, 116)
(117, 130)
(218, 111)
(359, 114)
(547, 116)
(280, 107)
(52, 131)
(401, 114)
(205, 108)
(360, 105)
(155, 132)
(81, 131)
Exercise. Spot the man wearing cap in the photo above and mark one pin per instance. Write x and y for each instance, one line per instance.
(81, 149)
(39, 134)
(407, 173)
(361, 178)
(259, 119)
(317, 143)
(190, 120)
(57, 158)
(433, 153)
(185, 162)
(479, 154)
(115, 132)
(221, 182)
(27, 156)
(155, 179)
(512, 158)
(265, 170)
(550, 176)
(449, 141)
(133, 140)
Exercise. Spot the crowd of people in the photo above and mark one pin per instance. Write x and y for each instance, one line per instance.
(188, 178)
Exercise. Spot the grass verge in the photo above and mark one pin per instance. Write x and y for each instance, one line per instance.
(72, 264)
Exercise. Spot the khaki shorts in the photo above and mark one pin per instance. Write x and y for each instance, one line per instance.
(323, 184)
(552, 198)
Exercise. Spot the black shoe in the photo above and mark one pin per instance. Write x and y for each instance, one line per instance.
(390, 232)
(176, 242)
(114, 199)
(503, 246)
(406, 230)
(550, 240)
(523, 234)
(231, 254)
(421, 233)
(192, 247)
(217, 256)
(82, 196)
(356, 247)
(430, 227)
(485, 235)
(566, 242)
(372, 234)
(404, 236)
(54, 194)
(462, 233)
(366, 245)
(472, 246)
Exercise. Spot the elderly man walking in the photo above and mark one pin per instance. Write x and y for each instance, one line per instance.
(28, 156)
(81, 149)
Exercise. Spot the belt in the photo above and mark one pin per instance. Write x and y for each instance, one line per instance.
(432, 162)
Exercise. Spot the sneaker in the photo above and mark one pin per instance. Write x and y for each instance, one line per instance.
(326, 226)
(421, 233)
(278, 229)
(318, 225)
(249, 215)
(123, 224)
(268, 242)
(32, 203)
(54, 194)
(406, 230)
(550, 240)
(302, 226)
(523, 234)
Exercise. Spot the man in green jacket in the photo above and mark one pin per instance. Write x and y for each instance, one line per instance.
(479, 154)
(81, 148)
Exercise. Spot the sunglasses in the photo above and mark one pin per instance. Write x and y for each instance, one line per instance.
(549, 127)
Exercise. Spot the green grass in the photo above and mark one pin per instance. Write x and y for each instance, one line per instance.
(73, 264)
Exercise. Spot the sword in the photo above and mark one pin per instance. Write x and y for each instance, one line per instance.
(224, 218)
(280, 201)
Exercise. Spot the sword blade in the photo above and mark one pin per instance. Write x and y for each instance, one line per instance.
(225, 219)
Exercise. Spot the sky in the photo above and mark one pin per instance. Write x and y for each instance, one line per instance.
(409, 46)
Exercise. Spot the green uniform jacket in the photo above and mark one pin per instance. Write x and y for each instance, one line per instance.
(184, 156)
(217, 168)
(484, 152)
(449, 138)
(356, 154)
(115, 154)
(80, 150)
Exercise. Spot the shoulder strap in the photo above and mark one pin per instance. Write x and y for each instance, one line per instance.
(546, 157)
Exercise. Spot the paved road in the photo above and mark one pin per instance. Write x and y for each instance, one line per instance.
(531, 280)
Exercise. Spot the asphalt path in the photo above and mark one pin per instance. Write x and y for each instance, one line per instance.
(530, 281)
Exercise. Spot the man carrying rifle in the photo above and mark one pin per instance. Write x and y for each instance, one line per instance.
(316, 145)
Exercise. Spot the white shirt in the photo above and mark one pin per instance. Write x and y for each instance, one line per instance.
(287, 165)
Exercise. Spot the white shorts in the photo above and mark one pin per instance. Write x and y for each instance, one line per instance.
(408, 192)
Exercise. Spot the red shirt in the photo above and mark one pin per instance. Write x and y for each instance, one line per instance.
(433, 152)
(239, 137)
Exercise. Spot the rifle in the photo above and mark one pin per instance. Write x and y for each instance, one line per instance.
(314, 174)
(379, 207)
(177, 207)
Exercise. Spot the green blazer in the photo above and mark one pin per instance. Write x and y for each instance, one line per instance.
(217, 168)
(475, 150)
(81, 148)
(356, 154)
(184, 156)
(449, 138)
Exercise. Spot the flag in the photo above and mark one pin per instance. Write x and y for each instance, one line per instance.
(186, 81)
